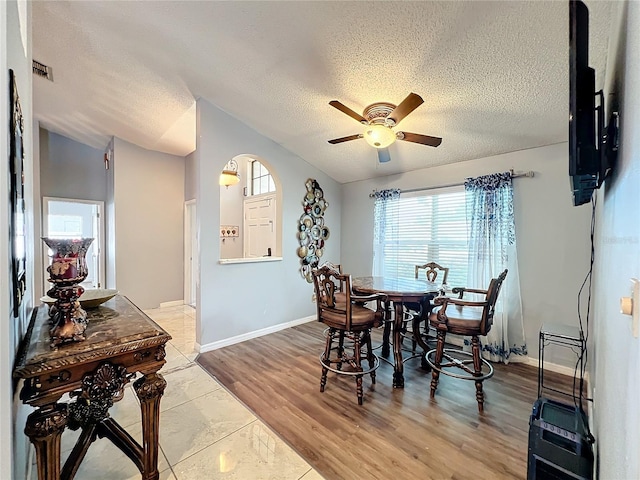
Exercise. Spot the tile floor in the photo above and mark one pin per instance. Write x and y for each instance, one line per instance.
(205, 433)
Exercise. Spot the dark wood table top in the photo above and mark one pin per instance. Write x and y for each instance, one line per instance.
(115, 327)
(394, 286)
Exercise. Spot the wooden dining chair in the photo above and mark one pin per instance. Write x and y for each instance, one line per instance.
(419, 331)
(340, 287)
(468, 318)
(433, 272)
(346, 318)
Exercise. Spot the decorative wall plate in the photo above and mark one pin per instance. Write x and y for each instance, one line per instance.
(307, 220)
(316, 231)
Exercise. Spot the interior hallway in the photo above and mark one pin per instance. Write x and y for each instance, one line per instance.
(205, 433)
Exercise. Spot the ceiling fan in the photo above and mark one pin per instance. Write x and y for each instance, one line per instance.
(379, 118)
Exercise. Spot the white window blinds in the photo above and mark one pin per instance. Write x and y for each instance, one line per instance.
(428, 226)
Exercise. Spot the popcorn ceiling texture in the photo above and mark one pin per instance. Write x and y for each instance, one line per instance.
(494, 75)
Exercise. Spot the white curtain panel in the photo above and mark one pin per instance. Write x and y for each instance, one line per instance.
(492, 249)
(385, 231)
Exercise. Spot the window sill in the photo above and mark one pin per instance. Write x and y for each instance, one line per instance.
(228, 261)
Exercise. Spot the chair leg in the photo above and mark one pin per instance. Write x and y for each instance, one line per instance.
(414, 343)
(358, 365)
(326, 357)
(477, 369)
(340, 349)
(435, 374)
(370, 356)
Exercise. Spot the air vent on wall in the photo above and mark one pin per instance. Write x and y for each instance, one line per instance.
(41, 70)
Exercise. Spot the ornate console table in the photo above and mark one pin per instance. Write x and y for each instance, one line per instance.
(121, 342)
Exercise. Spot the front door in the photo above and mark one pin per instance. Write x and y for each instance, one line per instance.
(259, 226)
(67, 218)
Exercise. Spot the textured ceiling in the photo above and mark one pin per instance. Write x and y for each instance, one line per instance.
(494, 75)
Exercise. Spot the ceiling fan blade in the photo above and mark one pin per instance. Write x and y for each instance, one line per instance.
(383, 155)
(417, 138)
(407, 106)
(344, 109)
(345, 139)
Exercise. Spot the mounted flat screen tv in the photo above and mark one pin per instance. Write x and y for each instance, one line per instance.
(584, 164)
(591, 146)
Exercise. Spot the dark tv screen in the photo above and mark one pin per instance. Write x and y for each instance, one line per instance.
(584, 156)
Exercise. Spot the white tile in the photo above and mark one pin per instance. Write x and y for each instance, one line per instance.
(186, 384)
(175, 359)
(127, 411)
(312, 475)
(192, 426)
(105, 461)
(253, 452)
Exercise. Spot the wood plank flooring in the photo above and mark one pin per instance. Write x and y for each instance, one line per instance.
(398, 434)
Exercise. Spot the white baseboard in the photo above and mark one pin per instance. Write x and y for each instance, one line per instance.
(174, 303)
(255, 334)
(552, 367)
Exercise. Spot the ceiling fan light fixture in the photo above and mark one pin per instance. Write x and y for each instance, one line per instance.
(379, 136)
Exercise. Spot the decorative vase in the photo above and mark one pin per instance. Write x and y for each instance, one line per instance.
(67, 270)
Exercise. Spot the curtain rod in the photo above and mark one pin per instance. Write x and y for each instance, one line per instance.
(529, 174)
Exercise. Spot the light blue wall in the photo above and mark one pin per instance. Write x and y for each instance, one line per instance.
(69, 169)
(190, 179)
(148, 214)
(242, 298)
(615, 367)
(15, 54)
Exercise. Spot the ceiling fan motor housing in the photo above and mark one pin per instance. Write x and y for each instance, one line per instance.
(378, 113)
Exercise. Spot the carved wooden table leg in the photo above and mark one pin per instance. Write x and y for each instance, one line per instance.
(398, 374)
(44, 428)
(386, 333)
(150, 389)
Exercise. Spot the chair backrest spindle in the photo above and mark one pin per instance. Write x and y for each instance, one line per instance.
(432, 271)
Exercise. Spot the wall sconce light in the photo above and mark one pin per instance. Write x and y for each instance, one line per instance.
(230, 175)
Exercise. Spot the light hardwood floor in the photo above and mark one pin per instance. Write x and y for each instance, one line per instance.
(397, 434)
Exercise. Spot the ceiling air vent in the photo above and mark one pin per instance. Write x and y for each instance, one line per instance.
(41, 70)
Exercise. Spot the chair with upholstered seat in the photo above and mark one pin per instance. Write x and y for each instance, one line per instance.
(468, 318)
(346, 318)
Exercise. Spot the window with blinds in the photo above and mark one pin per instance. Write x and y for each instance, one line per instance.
(428, 226)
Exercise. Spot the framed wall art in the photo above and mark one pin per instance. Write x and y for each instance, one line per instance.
(17, 220)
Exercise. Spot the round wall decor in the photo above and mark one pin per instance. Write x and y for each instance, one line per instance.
(312, 232)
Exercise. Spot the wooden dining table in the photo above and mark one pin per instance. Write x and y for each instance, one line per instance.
(399, 291)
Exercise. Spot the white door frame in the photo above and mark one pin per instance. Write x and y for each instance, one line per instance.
(100, 242)
(190, 252)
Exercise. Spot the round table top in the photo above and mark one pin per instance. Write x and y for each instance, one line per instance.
(394, 286)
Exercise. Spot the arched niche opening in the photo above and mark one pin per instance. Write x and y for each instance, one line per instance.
(250, 211)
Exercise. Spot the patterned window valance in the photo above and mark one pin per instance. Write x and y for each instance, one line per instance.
(387, 194)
